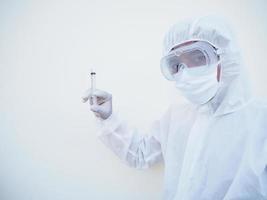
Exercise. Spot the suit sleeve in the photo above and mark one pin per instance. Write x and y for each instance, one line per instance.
(137, 150)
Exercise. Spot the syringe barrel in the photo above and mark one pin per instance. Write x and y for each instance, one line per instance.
(93, 86)
(93, 80)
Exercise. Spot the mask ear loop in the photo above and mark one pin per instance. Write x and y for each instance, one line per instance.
(219, 72)
(219, 51)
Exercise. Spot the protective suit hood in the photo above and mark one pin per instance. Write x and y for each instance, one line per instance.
(234, 91)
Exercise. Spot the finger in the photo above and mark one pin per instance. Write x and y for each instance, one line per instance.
(101, 102)
(86, 95)
(101, 94)
(84, 99)
(99, 97)
(97, 115)
(93, 100)
(89, 93)
(98, 100)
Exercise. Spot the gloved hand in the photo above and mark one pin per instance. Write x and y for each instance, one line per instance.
(100, 102)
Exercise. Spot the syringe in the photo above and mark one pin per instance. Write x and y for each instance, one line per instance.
(93, 85)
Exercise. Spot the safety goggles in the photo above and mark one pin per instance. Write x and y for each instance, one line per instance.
(197, 56)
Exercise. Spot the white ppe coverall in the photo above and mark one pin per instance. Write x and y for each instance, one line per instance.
(213, 151)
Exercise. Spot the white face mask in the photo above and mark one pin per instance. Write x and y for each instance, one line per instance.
(198, 89)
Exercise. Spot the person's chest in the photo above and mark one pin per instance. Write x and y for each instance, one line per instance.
(204, 154)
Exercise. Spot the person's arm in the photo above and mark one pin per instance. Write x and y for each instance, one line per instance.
(135, 149)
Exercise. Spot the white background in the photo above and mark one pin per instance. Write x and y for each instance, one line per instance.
(48, 144)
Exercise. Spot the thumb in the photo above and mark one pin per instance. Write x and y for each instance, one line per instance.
(86, 95)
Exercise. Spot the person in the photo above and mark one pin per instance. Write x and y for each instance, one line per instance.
(215, 146)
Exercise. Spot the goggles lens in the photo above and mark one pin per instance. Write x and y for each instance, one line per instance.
(187, 58)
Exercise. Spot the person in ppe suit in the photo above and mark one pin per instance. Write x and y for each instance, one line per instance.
(214, 147)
